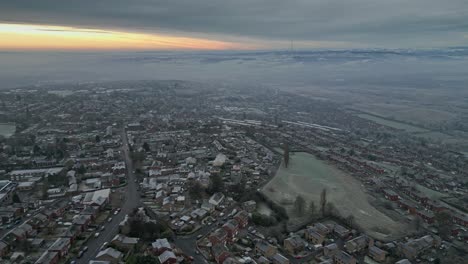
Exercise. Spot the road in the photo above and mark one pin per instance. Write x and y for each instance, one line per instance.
(188, 244)
(132, 200)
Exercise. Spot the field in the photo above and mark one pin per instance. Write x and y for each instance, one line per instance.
(394, 124)
(7, 130)
(307, 176)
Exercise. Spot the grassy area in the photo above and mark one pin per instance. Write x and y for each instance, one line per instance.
(307, 176)
(393, 124)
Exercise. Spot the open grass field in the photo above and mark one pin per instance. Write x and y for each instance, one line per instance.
(307, 176)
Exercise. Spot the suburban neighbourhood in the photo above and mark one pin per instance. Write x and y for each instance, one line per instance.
(172, 172)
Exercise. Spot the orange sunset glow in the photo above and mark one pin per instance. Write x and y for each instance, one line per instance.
(45, 37)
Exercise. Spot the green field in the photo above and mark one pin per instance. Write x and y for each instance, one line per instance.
(393, 124)
(307, 176)
(7, 130)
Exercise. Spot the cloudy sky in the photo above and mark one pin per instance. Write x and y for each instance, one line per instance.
(236, 24)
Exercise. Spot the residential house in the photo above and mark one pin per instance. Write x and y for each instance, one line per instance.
(92, 211)
(61, 246)
(124, 243)
(279, 259)
(391, 195)
(109, 254)
(313, 236)
(219, 236)
(460, 219)
(249, 206)
(220, 253)
(161, 245)
(4, 249)
(294, 245)
(167, 257)
(359, 243)
(265, 249)
(232, 229)
(330, 250)
(48, 257)
(207, 206)
(82, 221)
(216, 199)
(407, 205)
(427, 216)
(242, 218)
(322, 229)
(377, 254)
(341, 231)
(403, 261)
(415, 247)
(343, 258)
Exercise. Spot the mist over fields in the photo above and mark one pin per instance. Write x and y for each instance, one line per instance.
(435, 68)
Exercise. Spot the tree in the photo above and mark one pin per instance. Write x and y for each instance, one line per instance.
(36, 150)
(286, 154)
(444, 222)
(323, 201)
(16, 198)
(330, 209)
(443, 218)
(312, 208)
(196, 190)
(81, 169)
(146, 147)
(299, 205)
(216, 184)
(142, 259)
(350, 220)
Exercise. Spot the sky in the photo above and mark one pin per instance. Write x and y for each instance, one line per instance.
(231, 25)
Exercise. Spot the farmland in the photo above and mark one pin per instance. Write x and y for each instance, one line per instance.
(393, 124)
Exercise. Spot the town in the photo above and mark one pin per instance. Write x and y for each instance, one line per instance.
(180, 172)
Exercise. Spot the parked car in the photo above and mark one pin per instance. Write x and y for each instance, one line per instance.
(96, 234)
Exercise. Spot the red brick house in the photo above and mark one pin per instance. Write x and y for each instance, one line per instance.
(427, 216)
(4, 249)
(391, 195)
(218, 237)
(407, 205)
(48, 258)
(82, 221)
(232, 229)
(220, 253)
(161, 245)
(242, 218)
(167, 257)
(461, 219)
(61, 246)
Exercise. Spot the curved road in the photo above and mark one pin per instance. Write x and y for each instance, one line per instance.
(132, 200)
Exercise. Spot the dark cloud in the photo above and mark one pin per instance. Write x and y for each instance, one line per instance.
(394, 23)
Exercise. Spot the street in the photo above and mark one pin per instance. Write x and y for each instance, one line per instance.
(132, 200)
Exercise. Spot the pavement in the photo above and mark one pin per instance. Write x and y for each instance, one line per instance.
(111, 229)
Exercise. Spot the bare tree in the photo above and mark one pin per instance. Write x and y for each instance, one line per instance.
(330, 209)
(350, 221)
(286, 154)
(299, 205)
(323, 201)
(312, 208)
